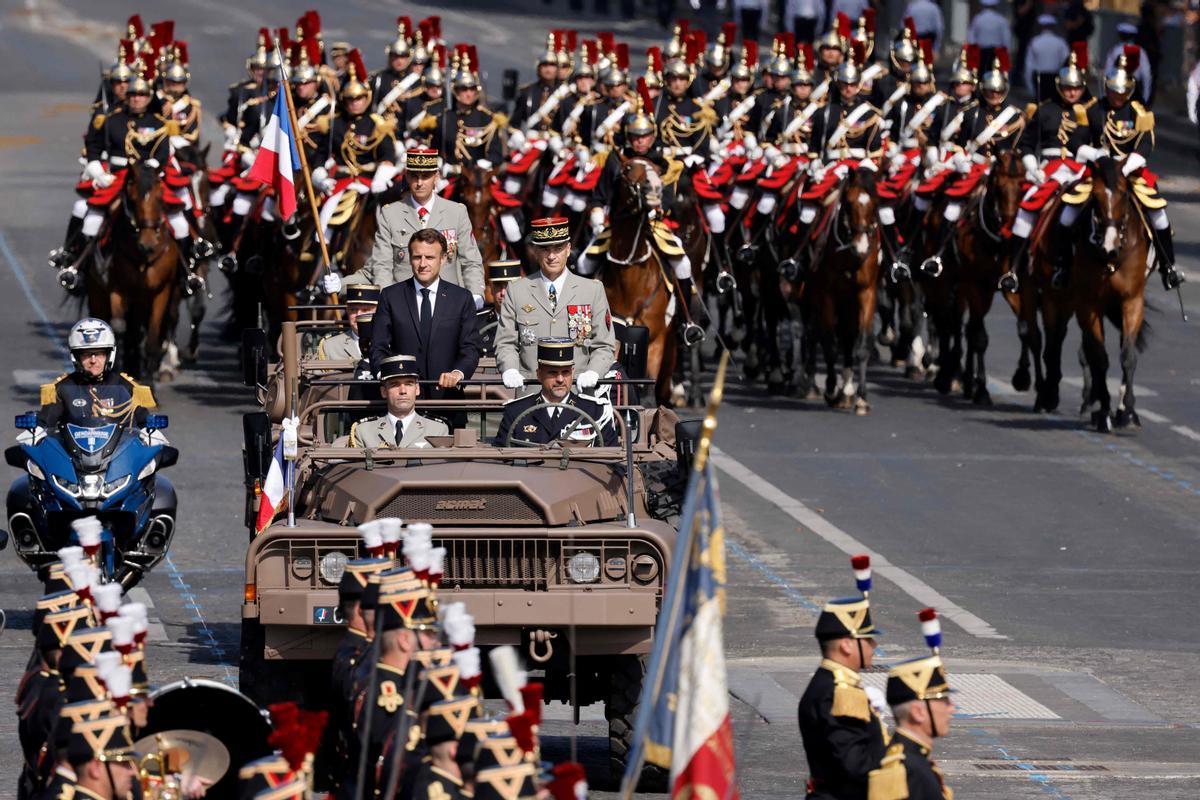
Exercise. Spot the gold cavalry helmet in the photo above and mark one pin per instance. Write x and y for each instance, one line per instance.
(356, 84)
(402, 44)
(966, 66)
(996, 78)
(1120, 78)
(904, 47)
(641, 122)
(1074, 74)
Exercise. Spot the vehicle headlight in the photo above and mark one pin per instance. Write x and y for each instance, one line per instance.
(112, 488)
(583, 568)
(91, 486)
(332, 567)
(147, 470)
(70, 488)
(34, 470)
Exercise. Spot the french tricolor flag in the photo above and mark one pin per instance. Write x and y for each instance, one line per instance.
(274, 491)
(272, 169)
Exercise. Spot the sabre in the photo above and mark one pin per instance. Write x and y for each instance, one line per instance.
(552, 102)
(397, 90)
(611, 120)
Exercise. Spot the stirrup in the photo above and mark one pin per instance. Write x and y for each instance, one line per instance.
(900, 273)
(228, 263)
(693, 334)
(202, 248)
(1008, 282)
(932, 266)
(1173, 278)
(58, 258)
(745, 254)
(68, 278)
(789, 269)
(193, 284)
(725, 282)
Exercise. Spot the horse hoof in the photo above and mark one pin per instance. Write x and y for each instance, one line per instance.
(914, 373)
(1126, 419)
(956, 385)
(1101, 422)
(943, 382)
(1021, 380)
(982, 397)
(861, 407)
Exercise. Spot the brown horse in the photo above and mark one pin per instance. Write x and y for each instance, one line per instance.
(1108, 279)
(842, 293)
(140, 291)
(475, 192)
(634, 277)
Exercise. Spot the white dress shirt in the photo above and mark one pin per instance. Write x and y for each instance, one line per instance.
(433, 290)
(427, 206)
(558, 283)
(406, 421)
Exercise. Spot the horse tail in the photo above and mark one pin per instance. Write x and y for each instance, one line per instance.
(1144, 333)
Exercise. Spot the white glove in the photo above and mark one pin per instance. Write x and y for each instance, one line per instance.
(94, 170)
(1086, 153)
(556, 144)
(232, 136)
(33, 437)
(321, 180)
(152, 437)
(1133, 162)
(587, 379)
(105, 180)
(1038, 176)
(876, 697)
(332, 283)
(512, 378)
(516, 140)
(478, 301)
(749, 142)
(693, 160)
(483, 163)
(358, 186)
(248, 158)
(383, 178)
(1030, 162)
(596, 219)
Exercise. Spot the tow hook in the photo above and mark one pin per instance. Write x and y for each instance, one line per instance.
(541, 637)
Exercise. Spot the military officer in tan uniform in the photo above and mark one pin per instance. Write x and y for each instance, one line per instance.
(402, 424)
(421, 208)
(554, 303)
(360, 299)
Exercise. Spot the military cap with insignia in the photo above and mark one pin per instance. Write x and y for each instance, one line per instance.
(400, 366)
(503, 271)
(408, 608)
(921, 678)
(363, 294)
(550, 231)
(81, 647)
(516, 782)
(103, 738)
(51, 602)
(850, 617)
(448, 719)
(422, 159)
(556, 352)
(356, 574)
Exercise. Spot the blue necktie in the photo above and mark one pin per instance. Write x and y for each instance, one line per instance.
(553, 299)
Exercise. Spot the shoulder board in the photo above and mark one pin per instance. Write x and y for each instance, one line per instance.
(428, 123)
(142, 395)
(890, 780)
(1079, 110)
(98, 121)
(384, 126)
(237, 85)
(1143, 119)
(49, 391)
(1031, 109)
(850, 701)
(499, 118)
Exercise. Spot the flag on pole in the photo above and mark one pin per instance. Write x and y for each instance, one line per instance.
(277, 158)
(683, 720)
(275, 489)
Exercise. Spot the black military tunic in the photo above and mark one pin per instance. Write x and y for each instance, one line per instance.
(907, 771)
(468, 134)
(530, 98)
(782, 118)
(61, 786)
(844, 739)
(345, 659)
(863, 136)
(577, 125)
(766, 103)
(113, 398)
(682, 122)
(1056, 125)
(239, 94)
(386, 708)
(93, 138)
(314, 126)
(943, 125)
(594, 117)
(539, 428)
(133, 137)
(421, 117)
(979, 117)
(359, 144)
(432, 783)
(1128, 129)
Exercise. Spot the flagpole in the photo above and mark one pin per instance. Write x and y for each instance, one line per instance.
(308, 187)
(683, 544)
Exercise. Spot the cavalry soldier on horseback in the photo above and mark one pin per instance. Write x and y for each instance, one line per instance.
(428, 104)
(988, 127)
(313, 105)
(947, 120)
(1128, 136)
(683, 123)
(398, 82)
(111, 101)
(888, 90)
(844, 737)
(362, 156)
(554, 302)
(831, 48)
(718, 59)
(470, 132)
(776, 79)
(533, 96)
(1062, 136)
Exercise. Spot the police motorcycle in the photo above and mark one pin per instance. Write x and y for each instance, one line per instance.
(93, 467)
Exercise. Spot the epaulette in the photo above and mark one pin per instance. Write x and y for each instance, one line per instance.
(429, 123)
(890, 780)
(1031, 109)
(674, 170)
(49, 391)
(499, 118)
(1079, 110)
(353, 436)
(1143, 119)
(67, 792)
(143, 396)
(385, 126)
(850, 701)
(99, 120)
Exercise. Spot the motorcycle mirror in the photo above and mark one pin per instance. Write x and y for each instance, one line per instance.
(256, 433)
(15, 456)
(26, 421)
(168, 456)
(254, 357)
(508, 85)
(156, 422)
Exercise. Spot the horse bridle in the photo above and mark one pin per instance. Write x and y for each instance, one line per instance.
(1117, 222)
(638, 210)
(853, 231)
(156, 227)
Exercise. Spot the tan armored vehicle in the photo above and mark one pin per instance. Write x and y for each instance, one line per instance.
(560, 550)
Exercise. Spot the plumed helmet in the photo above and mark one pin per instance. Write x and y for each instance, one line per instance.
(1074, 74)
(1120, 78)
(996, 78)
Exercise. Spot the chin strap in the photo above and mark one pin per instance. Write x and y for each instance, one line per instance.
(862, 661)
(933, 731)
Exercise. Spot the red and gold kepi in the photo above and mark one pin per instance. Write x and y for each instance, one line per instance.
(550, 231)
(422, 159)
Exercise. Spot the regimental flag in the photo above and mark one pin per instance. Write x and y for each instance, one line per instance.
(275, 489)
(278, 159)
(683, 720)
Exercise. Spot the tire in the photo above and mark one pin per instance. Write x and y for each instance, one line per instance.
(625, 689)
(265, 682)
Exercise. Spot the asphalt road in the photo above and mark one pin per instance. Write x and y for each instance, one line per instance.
(1063, 560)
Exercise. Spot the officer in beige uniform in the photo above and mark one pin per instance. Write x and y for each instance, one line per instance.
(398, 385)
(554, 303)
(360, 300)
(421, 208)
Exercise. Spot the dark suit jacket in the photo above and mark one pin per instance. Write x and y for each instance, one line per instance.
(454, 344)
(539, 429)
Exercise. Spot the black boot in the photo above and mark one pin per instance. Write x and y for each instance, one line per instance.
(1008, 281)
(66, 255)
(1171, 276)
(696, 309)
(192, 282)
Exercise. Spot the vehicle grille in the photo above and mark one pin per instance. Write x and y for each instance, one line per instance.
(449, 506)
(500, 563)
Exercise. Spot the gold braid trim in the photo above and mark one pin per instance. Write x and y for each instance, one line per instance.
(890, 780)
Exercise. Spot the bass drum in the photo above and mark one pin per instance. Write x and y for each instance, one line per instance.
(213, 708)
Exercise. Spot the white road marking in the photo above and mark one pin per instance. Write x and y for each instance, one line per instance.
(1151, 416)
(155, 632)
(1114, 387)
(1184, 430)
(909, 583)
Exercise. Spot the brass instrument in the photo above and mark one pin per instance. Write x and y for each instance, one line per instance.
(168, 761)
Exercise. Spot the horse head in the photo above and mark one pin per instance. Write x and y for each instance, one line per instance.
(860, 213)
(640, 188)
(1110, 206)
(475, 192)
(1005, 188)
(144, 207)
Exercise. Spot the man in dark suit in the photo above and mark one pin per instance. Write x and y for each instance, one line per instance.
(560, 420)
(430, 318)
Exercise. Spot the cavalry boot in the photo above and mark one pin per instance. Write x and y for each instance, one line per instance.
(1171, 276)
(192, 282)
(66, 255)
(69, 277)
(1008, 281)
(696, 309)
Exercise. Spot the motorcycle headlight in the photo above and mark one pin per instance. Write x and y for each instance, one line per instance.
(34, 470)
(70, 488)
(583, 568)
(91, 486)
(112, 488)
(332, 567)
(147, 470)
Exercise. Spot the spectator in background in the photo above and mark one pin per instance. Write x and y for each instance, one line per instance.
(1078, 22)
(927, 16)
(806, 18)
(1127, 32)
(851, 8)
(750, 14)
(988, 30)
(1149, 38)
(1048, 52)
(1025, 14)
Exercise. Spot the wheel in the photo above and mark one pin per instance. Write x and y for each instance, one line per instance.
(625, 689)
(265, 682)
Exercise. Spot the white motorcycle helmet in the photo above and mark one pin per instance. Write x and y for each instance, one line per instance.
(92, 334)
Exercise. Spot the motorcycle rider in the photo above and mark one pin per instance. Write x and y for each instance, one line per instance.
(93, 391)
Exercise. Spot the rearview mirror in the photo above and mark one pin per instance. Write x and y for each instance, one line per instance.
(687, 437)
(256, 433)
(168, 456)
(254, 357)
(15, 456)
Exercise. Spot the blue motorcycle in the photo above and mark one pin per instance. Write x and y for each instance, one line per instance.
(102, 470)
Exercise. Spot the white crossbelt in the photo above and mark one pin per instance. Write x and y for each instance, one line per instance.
(316, 108)
(999, 122)
(848, 122)
(923, 113)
